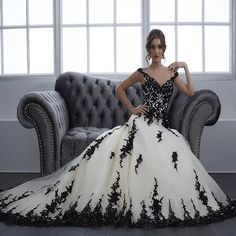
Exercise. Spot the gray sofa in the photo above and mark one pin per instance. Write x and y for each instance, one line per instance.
(82, 106)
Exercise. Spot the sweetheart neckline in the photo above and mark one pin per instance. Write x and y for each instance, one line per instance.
(161, 86)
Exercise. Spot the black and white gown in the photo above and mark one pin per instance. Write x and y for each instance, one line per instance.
(139, 174)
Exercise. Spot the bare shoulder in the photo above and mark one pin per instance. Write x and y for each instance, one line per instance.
(145, 69)
(169, 73)
(167, 70)
(133, 78)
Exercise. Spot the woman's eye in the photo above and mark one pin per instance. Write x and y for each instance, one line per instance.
(160, 46)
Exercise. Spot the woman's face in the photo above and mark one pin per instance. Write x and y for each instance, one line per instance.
(156, 50)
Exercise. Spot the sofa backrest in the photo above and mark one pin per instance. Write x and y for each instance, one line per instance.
(91, 100)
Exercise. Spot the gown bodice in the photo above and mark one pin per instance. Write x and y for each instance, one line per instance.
(157, 98)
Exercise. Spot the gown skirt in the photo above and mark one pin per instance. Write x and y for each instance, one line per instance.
(136, 175)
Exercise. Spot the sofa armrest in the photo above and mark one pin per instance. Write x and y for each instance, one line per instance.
(47, 113)
(190, 114)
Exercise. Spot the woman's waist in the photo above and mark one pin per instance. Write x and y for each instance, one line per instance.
(151, 119)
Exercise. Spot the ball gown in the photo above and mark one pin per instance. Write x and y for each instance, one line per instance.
(139, 174)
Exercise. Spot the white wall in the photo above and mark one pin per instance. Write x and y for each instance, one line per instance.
(19, 148)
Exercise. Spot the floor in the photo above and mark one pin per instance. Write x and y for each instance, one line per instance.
(224, 228)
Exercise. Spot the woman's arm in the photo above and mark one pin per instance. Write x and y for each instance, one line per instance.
(188, 88)
(121, 93)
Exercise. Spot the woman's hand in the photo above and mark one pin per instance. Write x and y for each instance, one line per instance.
(186, 88)
(176, 65)
(141, 109)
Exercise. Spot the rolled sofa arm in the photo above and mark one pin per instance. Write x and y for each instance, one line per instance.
(47, 113)
(190, 114)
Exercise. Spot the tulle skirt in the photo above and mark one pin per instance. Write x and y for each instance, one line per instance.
(137, 174)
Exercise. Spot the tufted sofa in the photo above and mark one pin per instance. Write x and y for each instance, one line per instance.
(82, 106)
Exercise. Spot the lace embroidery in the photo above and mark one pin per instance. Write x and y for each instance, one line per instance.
(139, 160)
(159, 136)
(175, 159)
(128, 147)
(157, 98)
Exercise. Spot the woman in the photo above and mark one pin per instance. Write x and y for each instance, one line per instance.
(139, 174)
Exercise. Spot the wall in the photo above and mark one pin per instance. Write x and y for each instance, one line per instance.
(19, 149)
(18, 146)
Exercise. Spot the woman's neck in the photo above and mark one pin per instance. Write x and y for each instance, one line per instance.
(156, 66)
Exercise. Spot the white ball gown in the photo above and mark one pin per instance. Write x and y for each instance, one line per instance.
(140, 174)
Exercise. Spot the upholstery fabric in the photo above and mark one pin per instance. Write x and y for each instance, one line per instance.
(91, 102)
(46, 112)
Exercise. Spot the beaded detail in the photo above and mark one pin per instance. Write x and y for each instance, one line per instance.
(157, 98)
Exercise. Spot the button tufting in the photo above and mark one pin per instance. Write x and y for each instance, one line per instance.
(95, 103)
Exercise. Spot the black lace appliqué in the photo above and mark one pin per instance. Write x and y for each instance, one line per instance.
(201, 191)
(218, 202)
(197, 213)
(126, 124)
(115, 214)
(112, 155)
(24, 195)
(156, 206)
(175, 159)
(92, 148)
(172, 219)
(159, 136)
(73, 168)
(139, 160)
(128, 147)
(187, 216)
(52, 187)
(113, 198)
(55, 203)
(3, 201)
(144, 219)
(97, 213)
(157, 98)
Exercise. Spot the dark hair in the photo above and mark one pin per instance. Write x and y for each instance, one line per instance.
(155, 33)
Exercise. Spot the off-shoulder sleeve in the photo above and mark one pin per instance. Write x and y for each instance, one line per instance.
(173, 78)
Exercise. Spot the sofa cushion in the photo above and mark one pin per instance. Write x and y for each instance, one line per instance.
(76, 140)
